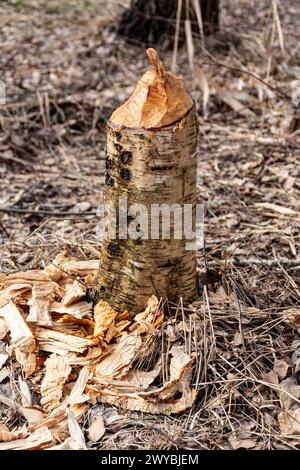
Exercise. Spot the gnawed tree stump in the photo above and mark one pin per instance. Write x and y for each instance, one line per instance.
(151, 160)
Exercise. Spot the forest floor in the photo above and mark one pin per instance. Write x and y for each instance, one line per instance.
(65, 71)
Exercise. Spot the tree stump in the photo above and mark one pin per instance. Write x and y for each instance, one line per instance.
(151, 161)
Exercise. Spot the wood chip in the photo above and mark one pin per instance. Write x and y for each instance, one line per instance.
(42, 295)
(78, 310)
(77, 394)
(19, 330)
(31, 276)
(159, 400)
(104, 316)
(32, 414)
(57, 373)
(81, 268)
(7, 436)
(289, 422)
(68, 444)
(119, 360)
(55, 270)
(22, 338)
(38, 440)
(3, 359)
(26, 398)
(96, 429)
(75, 430)
(73, 293)
(60, 343)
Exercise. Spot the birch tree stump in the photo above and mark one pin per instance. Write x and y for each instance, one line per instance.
(151, 160)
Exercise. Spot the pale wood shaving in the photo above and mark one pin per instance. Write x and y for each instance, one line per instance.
(42, 296)
(3, 359)
(134, 402)
(90, 359)
(78, 310)
(4, 373)
(39, 439)
(12, 291)
(73, 293)
(96, 429)
(22, 338)
(19, 330)
(32, 414)
(55, 270)
(104, 316)
(118, 361)
(81, 268)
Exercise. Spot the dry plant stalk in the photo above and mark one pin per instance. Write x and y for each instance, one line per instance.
(151, 159)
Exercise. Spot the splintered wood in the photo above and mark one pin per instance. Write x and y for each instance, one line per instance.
(73, 353)
(57, 373)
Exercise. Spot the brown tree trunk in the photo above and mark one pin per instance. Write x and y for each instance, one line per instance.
(151, 160)
(153, 21)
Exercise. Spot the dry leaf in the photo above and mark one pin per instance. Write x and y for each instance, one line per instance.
(289, 393)
(26, 398)
(270, 377)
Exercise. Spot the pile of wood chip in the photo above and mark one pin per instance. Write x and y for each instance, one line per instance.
(73, 353)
